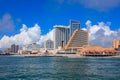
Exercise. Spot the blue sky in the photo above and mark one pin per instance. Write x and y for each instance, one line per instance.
(47, 13)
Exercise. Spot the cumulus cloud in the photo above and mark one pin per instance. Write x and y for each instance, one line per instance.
(101, 34)
(49, 35)
(26, 36)
(6, 23)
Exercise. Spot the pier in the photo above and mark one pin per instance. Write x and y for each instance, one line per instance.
(97, 51)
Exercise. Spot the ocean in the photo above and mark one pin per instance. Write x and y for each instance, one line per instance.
(59, 68)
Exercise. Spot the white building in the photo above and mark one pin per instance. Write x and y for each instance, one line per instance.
(31, 47)
(61, 36)
(49, 44)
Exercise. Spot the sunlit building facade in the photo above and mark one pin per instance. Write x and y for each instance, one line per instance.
(78, 39)
(116, 43)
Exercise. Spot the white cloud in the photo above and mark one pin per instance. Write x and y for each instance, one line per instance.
(100, 5)
(49, 35)
(6, 23)
(101, 34)
(24, 28)
(26, 36)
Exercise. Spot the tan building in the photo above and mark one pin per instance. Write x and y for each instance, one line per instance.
(78, 39)
(116, 43)
(94, 49)
(8, 50)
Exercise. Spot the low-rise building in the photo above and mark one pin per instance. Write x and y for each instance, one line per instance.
(48, 44)
(116, 43)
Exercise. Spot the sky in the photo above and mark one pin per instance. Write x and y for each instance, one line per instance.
(23, 21)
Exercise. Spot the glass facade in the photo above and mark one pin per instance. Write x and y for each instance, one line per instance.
(74, 25)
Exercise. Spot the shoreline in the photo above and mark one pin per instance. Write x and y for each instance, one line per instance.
(59, 55)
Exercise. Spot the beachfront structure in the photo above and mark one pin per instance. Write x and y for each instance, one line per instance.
(8, 50)
(74, 24)
(49, 44)
(92, 50)
(61, 36)
(31, 47)
(116, 43)
(78, 39)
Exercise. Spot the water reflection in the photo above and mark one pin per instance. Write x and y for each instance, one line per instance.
(59, 68)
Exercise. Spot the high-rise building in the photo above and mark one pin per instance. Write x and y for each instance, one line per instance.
(61, 36)
(116, 43)
(49, 44)
(74, 24)
(14, 48)
(78, 39)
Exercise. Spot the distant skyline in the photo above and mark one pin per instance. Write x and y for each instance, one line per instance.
(47, 13)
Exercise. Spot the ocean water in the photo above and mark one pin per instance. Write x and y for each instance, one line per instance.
(59, 68)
